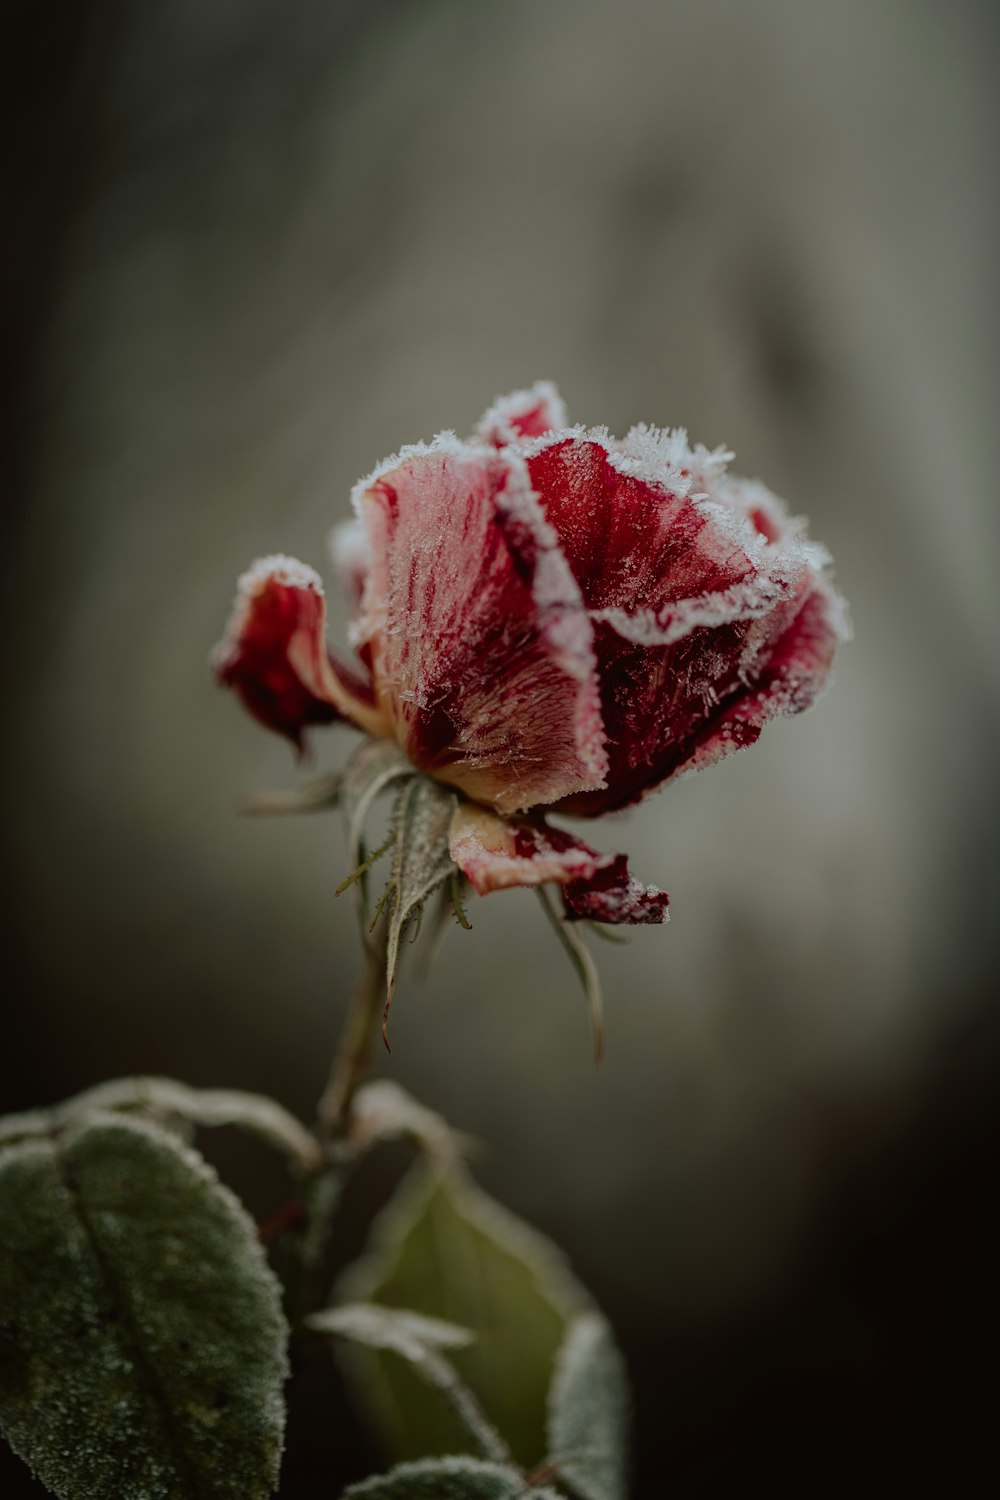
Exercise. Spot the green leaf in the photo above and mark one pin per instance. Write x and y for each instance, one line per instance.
(421, 860)
(447, 1479)
(419, 1339)
(373, 767)
(444, 1249)
(166, 1100)
(314, 796)
(383, 1111)
(397, 1328)
(142, 1343)
(583, 966)
(588, 1412)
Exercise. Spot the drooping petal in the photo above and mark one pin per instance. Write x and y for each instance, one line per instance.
(481, 650)
(274, 654)
(614, 895)
(496, 853)
(524, 414)
(692, 581)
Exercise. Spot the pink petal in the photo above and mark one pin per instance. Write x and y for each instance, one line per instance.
(480, 648)
(274, 654)
(692, 581)
(496, 853)
(525, 414)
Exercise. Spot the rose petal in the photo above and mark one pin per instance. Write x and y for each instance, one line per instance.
(524, 414)
(481, 650)
(274, 654)
(797, 667)
(496, 853)
(614, 895)
(689, 595)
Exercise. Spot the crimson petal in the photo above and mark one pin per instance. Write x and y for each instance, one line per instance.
(497, 853)
(692, 581)
(524, 414)
(274, 654)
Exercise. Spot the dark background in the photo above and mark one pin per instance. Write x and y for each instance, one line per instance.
(252, 248)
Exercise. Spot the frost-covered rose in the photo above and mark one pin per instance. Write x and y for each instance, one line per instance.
(548, 619)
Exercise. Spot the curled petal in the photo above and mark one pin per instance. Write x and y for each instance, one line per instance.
(525, 414)
(274, 654)
(614, 895)
(496, 853)
(692, 581)
(796, 668)
(481, 650)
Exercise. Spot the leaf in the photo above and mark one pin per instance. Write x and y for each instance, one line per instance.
(421, 861)
(383, 1111)
(445, 1249)
(418, 1339)
(314, 796)
(374, 765)
(396, 1328)
(447, 1479)
(588, 1412)
(164, 1099)
(142, 1343)
(583, 965)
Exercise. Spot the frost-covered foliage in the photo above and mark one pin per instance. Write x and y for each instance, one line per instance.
(142, 1343)
(446, 1250)
(588, 1411)
(447, 1479)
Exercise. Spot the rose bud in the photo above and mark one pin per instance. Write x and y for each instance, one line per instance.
(548, 619)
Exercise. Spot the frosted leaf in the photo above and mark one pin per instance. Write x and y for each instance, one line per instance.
(446, 1250)
(142, 1343)
(421, 861)
(396, 1328)
(314, 796)
(166, 1099)
(374, 766)
(588, 1412)
(448, 1479)
(382, 1111)
(583, 967)
(419, 1340)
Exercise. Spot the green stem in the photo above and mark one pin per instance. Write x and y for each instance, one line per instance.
(350, 1062)
(347, 1072)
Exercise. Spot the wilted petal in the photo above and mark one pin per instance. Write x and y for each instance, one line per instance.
(692, 580)
(496, 853)
(614, 895)
(274, 654)
(524, 414)
(481, 651)
(796, 668)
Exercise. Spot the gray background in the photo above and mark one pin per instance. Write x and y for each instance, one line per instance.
(253, 249)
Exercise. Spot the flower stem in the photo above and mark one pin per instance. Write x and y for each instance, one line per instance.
(350, 1061)
(333, 1117)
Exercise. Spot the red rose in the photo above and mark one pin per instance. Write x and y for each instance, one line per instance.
(548, 617)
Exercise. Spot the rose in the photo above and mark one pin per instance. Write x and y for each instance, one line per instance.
(546, 617)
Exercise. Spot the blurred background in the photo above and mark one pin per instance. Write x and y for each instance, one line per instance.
(251, 249)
